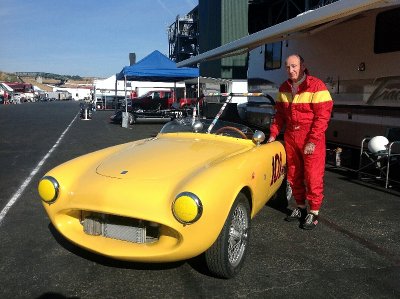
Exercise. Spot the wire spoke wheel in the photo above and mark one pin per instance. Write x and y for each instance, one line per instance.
(226, 256)
(238, 235)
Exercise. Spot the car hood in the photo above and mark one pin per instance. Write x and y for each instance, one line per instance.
(169, 156)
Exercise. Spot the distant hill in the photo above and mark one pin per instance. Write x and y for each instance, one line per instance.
(46, 79)
(8, 77)
(49, 76)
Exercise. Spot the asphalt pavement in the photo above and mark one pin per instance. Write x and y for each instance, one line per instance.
(353, 253)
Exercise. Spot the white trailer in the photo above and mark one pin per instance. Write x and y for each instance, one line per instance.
(358, 57)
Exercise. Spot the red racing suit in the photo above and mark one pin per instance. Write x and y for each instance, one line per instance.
(305, 117)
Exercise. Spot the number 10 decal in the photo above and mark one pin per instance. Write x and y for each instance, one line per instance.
(277, 168)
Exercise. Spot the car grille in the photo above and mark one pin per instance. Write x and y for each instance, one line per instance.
(120, 228)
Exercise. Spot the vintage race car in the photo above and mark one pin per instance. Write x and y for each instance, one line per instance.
(192, 189)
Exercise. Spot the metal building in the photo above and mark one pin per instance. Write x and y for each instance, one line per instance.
(220, 22)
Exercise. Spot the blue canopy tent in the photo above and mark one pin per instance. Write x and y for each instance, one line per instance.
(155, 67)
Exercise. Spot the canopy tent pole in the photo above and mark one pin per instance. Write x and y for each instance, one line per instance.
(116, 93)
(126, 98)
(125, 114)
(175, 95)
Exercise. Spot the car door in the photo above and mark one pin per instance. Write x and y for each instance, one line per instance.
(143, 102)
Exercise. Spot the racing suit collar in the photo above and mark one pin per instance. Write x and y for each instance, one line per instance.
(291, 83)
(294, 86)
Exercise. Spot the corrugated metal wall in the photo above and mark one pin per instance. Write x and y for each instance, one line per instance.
(220, 22)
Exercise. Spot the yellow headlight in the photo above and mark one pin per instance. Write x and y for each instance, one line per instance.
(187, 208)
(48, 189)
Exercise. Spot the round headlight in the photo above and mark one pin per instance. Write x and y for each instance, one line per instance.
(187, 208)
(48, 189)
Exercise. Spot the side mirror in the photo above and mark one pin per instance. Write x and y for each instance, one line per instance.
(258, 137)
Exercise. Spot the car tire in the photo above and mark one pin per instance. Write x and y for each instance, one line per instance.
(226, 256)
(280, 200)
(131, 118)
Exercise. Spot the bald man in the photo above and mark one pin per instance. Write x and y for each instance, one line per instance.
(303, 108)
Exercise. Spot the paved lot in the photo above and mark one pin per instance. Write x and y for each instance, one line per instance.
(353, 253)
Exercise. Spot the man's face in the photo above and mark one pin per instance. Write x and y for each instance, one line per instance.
(294, 68)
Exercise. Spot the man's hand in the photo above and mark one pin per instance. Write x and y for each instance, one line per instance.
(270, 139)
(309, 148)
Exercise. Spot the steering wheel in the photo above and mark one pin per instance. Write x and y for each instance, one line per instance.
(227, 128)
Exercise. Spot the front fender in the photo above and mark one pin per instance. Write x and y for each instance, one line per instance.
(218, 185)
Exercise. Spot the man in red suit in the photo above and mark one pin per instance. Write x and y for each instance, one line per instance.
(303, 109)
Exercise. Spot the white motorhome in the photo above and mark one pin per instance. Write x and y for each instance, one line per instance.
(358, 57)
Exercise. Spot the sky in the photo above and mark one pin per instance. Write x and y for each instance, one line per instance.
(88, 38)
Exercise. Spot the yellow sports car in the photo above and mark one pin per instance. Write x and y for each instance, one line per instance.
(192, 189)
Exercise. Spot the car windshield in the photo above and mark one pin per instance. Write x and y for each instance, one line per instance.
(205, 126)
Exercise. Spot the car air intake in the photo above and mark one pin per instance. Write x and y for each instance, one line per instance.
(120, 228)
